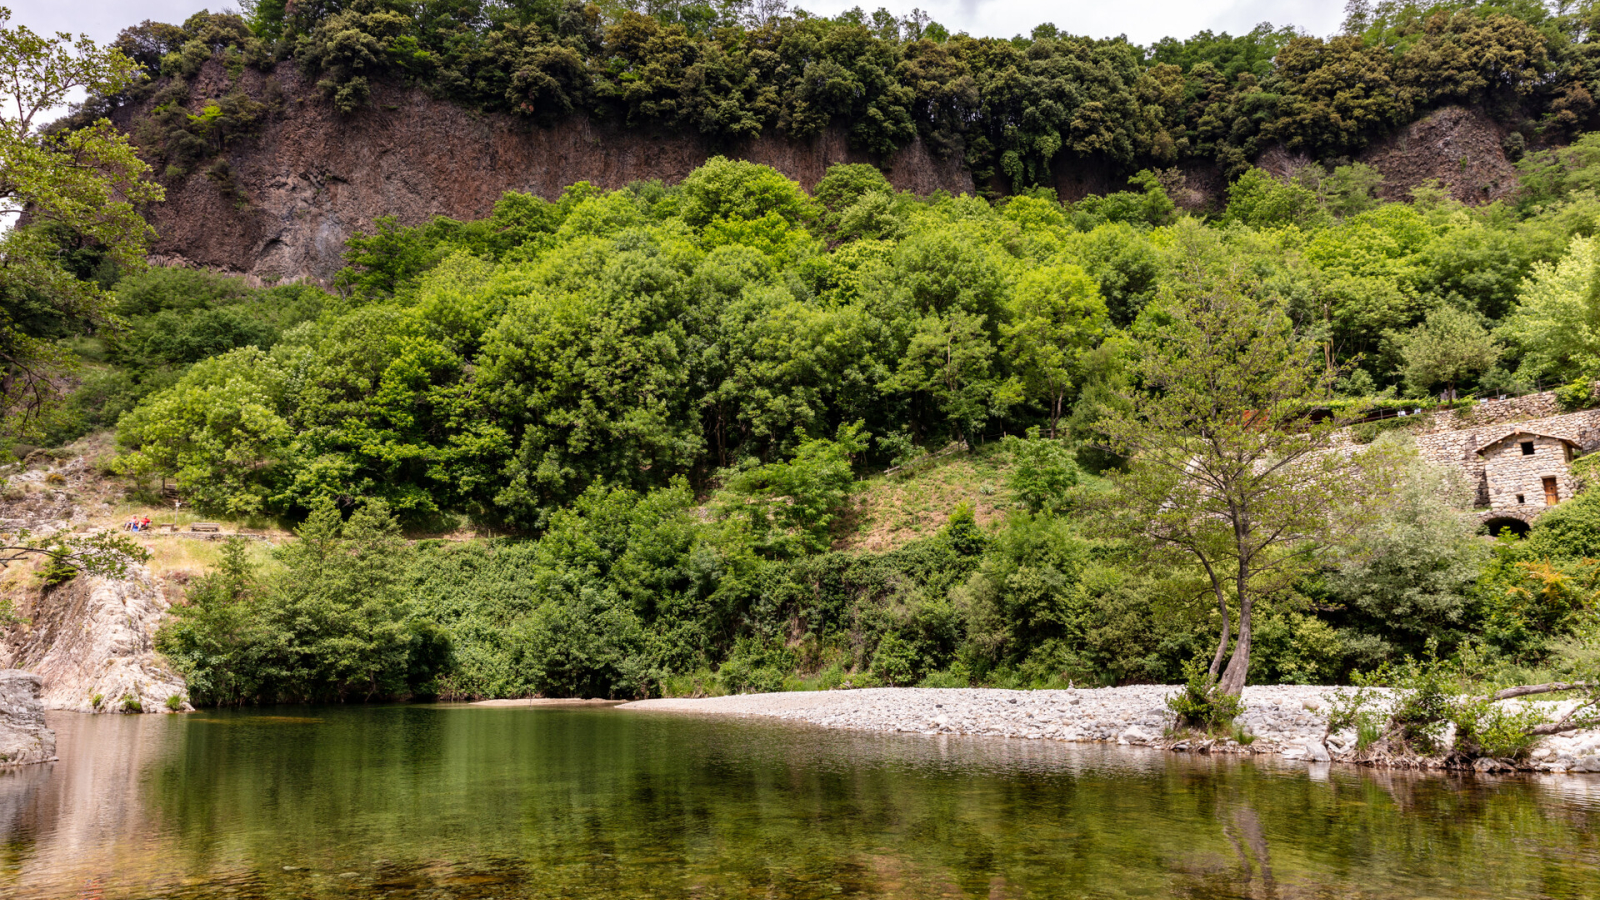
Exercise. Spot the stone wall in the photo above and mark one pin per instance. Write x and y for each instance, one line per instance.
(1452, 437)
(1459, 447)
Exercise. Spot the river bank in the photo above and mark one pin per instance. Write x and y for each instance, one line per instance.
(1287, 720)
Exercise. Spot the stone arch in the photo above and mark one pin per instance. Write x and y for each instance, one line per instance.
(1495, 524)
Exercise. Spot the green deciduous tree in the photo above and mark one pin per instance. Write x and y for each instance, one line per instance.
(1450, 347)
(219, 432)
(333, 623)
(1056, 314)
(800, 497)
(1557, 326)
(1224, 469)
(78, 185)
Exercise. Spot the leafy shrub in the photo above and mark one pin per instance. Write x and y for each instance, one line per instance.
(1201, 704)
(895, 661)
(1044, 473)
(799, 497)
(1485, 729)
(956, 676)
(332, 623)
(756, 667)
(1575, 396)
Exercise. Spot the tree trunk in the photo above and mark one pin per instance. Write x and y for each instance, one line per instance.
(1222, 607)
(1551, 688)
(1232, 682)
(1222, 640)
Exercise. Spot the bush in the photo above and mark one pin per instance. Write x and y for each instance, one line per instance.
(756, 668)
(895, 661)
(1201, 705)
(1044, 473)
(333, 623)
(1576, 396)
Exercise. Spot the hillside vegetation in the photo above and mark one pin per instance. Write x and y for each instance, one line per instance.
(731, 435)
(666, 399)
(1010, 108)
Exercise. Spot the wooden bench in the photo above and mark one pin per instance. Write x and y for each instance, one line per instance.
(205, 526)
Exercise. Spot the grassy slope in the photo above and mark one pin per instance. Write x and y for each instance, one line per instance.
(892, 510)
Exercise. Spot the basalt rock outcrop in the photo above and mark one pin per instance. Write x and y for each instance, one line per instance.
(24, 738)
(308, 176)
(1458, 149)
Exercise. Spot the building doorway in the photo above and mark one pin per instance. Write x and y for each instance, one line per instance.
(1552, 493)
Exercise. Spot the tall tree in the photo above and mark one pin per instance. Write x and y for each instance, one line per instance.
(1056, 314)
(1449, 348)
(1225, 466)
(68, 187)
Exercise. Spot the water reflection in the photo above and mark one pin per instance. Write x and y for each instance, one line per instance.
(584, 803)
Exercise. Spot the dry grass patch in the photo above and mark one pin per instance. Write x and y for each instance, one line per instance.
(191, 557)
(894, 510)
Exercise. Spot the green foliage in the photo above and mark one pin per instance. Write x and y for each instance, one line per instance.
(331, 622)
(1437, 709)
(1202, 704)
(1570, 531)
(80, 183)
(1044, 473)
(1575, 396)
(895, 661)
(798, 497)
(1554, 326)
(637, 389)
(1450, 347)
(1259, 200)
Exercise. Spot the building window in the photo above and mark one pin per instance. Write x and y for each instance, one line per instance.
(1527, 448)
(1520, 499)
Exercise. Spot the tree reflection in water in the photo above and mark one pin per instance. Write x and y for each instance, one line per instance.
(452, 802)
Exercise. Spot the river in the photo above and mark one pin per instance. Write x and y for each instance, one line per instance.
(456, 802)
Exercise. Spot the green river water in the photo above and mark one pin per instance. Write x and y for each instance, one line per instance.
(454, 802)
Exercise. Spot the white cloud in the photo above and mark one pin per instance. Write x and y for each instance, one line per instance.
(102, 19)
(1143, 21)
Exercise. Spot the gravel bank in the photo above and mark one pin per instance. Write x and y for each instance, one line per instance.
(1288, 720)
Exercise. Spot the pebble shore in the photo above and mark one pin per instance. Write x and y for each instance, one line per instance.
(1288, 720)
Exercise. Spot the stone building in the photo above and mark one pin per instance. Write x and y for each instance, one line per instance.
(1485, 442)
(1526, 472)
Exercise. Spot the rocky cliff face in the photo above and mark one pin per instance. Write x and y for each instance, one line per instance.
(310, 177)
(23, 736)
(89, 637)
(1459, 149)
(92, 642)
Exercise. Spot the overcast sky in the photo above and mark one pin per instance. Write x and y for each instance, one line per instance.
(1143, 21)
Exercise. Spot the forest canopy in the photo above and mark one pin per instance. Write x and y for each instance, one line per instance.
(1012, 109)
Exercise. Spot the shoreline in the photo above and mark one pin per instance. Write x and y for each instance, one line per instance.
(1285, 720)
